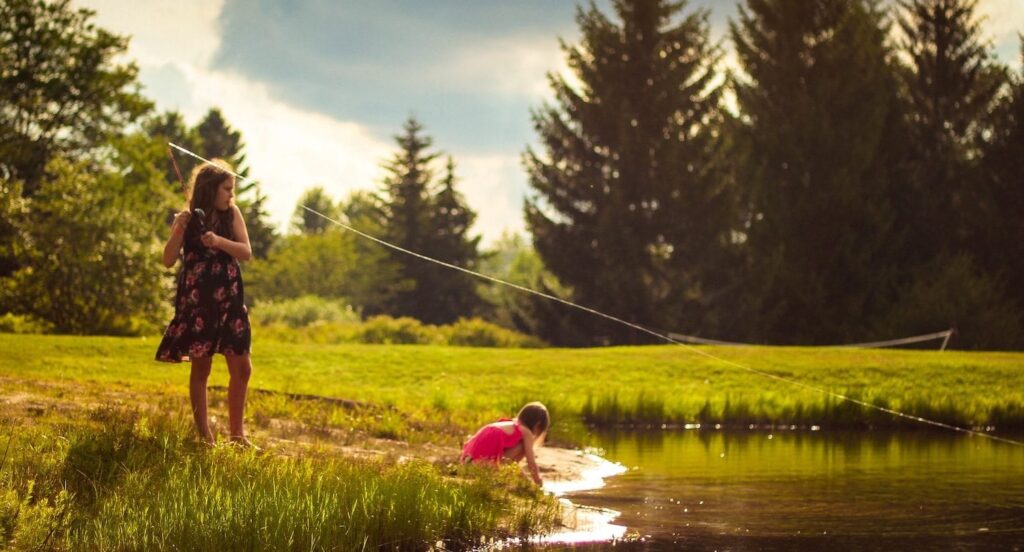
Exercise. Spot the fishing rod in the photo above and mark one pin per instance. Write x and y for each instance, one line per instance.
(197, 212)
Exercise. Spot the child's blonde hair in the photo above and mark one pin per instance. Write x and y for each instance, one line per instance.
(535, 417)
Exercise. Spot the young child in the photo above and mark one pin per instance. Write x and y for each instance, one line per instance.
(510, 440)
(209, 306)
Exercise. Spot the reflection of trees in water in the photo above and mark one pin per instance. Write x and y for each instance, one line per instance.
(719, 452)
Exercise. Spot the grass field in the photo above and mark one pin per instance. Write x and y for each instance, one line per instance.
(98, 450)
(455, 388)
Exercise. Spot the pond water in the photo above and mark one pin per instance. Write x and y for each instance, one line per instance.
(807, 490)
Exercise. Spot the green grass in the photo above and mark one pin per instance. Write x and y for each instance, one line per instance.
(439, 392)
(130, 479)
(361, 439)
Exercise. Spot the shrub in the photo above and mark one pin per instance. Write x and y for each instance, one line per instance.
(478, 333)
(952, 293)
(313, 319)
(23, 324)
(303, 311)
(394, 331)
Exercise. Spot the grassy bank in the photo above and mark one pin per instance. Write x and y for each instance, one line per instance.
(438, 393)
(76, 476)
(361, 439)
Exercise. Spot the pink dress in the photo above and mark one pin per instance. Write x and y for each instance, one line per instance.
(490, 443)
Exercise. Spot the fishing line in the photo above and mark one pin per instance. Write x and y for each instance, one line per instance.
(637, 327)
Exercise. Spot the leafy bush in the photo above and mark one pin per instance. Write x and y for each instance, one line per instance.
(87, 263)
(404, 330)
(314, 319)
(478, 333)
(953, 293)
(23, 324)
(303, 311)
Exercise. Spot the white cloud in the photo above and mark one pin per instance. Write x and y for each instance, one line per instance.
(493, 186)
(1003, 21)
(511, 66)
(185, 32)
(289, 149)
(1002, 18)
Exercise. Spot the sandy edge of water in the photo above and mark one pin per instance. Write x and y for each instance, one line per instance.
(567, 471)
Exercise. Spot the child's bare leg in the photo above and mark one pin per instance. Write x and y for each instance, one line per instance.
(240, 368)
(197, 394)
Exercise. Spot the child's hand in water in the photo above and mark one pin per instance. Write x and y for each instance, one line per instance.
(210, 239)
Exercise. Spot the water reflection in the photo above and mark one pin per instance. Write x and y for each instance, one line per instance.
(808, 490)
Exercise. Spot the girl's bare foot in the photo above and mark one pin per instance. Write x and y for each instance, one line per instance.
(242, 441)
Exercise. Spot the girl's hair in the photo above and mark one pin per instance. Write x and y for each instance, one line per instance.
(535, 417)
(206, 180)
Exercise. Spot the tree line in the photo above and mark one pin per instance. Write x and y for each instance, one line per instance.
(864, 184)
(857, 177)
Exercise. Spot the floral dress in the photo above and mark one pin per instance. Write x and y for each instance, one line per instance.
(209, 308)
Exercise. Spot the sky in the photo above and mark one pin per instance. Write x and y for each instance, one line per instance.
(319, 88)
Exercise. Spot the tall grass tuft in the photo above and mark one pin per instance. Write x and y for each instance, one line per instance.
(828, 412)
(643, 409)
(127, 481)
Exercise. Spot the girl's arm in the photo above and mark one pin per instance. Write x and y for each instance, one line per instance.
(531, 460)
(173, 245)
(239, 248)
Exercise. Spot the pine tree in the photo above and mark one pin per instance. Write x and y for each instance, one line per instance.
(412, 216)
(950, 84)
(315, 198)
(1000, 223)
(818, 100)
(170, 127)
(220, 140)
(405, 217)
(454, 293)
(630, 210)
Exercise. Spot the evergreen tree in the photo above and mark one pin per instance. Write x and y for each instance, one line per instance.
(170, 127)
(455, 294)
(378, 269)
(315, 198)
(1000, 225)
(412, 217)
(821, 141)
(404, 207)
(630, 210)
(950, 85)
(220, 140)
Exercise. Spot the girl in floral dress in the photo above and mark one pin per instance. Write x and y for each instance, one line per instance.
(209, 305)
